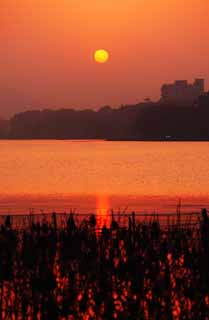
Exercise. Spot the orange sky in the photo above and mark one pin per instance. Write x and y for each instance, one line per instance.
(46, 49)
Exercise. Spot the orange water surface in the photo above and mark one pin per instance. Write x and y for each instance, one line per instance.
(85, 175)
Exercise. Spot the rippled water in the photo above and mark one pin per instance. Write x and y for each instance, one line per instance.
(87, 174)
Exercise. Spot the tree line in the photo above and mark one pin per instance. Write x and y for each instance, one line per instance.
(144, 121)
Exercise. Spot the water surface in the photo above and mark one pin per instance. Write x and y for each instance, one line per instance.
(89, 174)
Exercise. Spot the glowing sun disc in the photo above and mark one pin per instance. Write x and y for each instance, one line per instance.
(101, 56)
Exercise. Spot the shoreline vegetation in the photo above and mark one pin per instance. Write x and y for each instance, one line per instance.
(89, 269)
(165, 219)
(146, 121)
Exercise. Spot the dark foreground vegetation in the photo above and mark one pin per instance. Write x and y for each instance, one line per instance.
(144, 121)
(74, 271)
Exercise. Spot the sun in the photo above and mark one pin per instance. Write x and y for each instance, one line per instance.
(101, 56)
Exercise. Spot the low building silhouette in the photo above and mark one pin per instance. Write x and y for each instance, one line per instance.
(182, 93)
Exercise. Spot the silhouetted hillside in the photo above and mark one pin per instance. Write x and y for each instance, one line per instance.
(4, 128)
(107, 123)
(175, 123)
(143, 121)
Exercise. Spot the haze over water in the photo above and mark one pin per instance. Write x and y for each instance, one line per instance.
(60, 175)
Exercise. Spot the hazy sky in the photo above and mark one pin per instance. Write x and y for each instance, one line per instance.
(47, 46)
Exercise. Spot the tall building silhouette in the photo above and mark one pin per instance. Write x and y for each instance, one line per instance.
(181, 92)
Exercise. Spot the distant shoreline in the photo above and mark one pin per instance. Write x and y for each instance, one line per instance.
(163, 140)
(112, 140)
(140, 122)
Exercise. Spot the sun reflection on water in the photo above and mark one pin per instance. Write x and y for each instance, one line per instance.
(103, 211)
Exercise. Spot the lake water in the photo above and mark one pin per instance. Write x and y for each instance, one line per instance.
(85, 175)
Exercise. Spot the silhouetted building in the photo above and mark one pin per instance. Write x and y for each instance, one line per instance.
(181, 92)
(203, 100)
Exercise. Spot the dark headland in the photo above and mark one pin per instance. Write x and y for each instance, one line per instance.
(186, 119)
